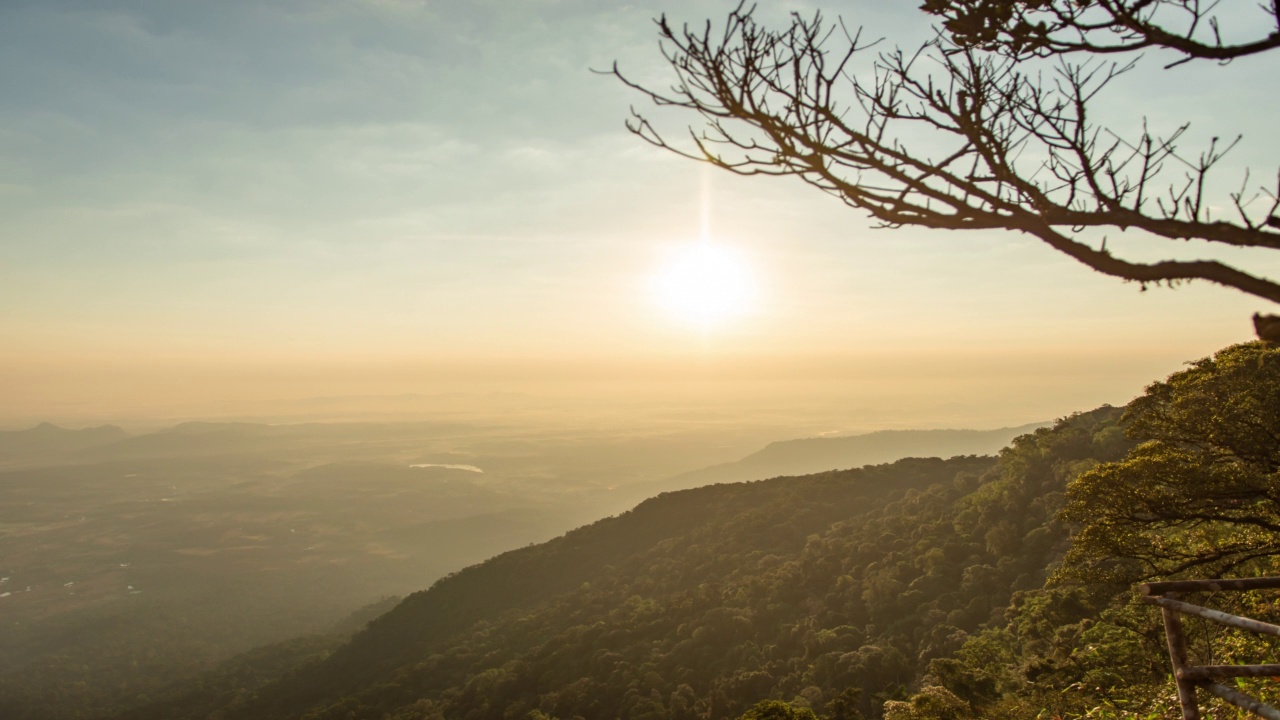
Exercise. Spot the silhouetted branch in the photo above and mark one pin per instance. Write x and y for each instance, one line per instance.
(1047, 27)
(1008, 150)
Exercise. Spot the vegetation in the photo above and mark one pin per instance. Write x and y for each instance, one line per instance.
(922, 590)
(925, 589)
(1197, 498)
(1200, 495)
(776, 710)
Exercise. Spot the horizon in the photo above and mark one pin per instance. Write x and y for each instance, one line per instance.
(971, 391)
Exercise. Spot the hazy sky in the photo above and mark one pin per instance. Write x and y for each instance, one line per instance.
(270, 199)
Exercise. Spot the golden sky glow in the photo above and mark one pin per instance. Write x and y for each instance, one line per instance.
(294, 194)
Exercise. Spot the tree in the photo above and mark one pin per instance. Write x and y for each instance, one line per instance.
(931, 703)
(1201, 495)
(1012, 144)
(777, 710)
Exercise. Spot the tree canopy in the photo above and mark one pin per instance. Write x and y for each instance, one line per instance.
(1201, 494)
(1012, 143)
(777, 710)
(1198, 496)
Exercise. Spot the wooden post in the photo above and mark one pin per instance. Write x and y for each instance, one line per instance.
(1213, 585)
(1243, 701)
(1178, 658)
(1202, 673)
(1188, 677)
(1217, 616)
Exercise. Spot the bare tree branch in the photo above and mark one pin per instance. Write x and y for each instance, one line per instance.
(1048, 27)
(1008, 150)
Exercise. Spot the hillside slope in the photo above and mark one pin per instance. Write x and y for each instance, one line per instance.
(832, 590)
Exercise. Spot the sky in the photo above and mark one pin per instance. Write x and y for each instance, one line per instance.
(210, 203)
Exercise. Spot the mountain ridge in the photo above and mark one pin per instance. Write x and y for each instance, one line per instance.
(46, 438)
(804, 456)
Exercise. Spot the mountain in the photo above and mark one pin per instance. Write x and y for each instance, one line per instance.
(47, 441)
(832, 590)
(812, 455)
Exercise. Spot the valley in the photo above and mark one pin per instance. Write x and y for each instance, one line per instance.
(133, 560)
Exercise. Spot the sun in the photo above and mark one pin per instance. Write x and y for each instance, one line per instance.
(705, 285)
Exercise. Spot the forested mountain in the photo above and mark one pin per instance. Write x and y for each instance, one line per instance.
(833, 591)
(925, 589)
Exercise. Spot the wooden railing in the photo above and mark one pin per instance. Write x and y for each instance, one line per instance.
(1190, 677)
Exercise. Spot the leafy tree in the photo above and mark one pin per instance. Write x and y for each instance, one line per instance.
(1201, 495)
(777, 710)
(997, 140)
(931, 703)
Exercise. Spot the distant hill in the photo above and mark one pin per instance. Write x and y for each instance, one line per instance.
(806, 456)
(316, 442)
(46, 441)
(832, 590)
(50, 444)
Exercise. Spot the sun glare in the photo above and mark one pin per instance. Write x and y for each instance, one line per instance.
(705, 285)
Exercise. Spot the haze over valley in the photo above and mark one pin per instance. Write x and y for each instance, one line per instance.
(133, 560)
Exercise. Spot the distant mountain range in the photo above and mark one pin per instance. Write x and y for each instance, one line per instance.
(323, 442)
(48, 444)
(47, 438)
(806, 456)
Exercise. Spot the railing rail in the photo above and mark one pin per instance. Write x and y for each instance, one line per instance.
(1189, 677)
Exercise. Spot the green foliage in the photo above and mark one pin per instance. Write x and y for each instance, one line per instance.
(1201, 495)
(931, 703)
(1063, 649)
(777, 710)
